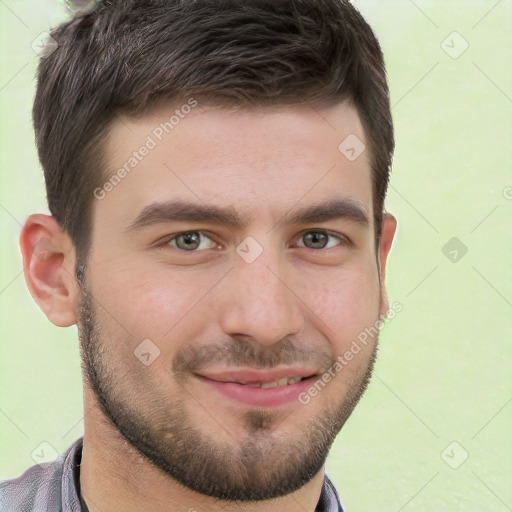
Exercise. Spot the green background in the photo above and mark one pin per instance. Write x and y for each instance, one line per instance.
(444, 371)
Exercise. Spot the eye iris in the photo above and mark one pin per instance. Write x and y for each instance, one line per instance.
(317, 238)
(192, 240)
(189, 238)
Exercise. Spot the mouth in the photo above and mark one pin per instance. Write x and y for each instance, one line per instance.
(284, 381)
(259, 387)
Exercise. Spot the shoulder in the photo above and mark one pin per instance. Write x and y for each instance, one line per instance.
(38, 488)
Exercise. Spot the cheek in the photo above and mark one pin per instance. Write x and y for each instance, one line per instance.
(174, 305)
(138, 305)
(344, 305)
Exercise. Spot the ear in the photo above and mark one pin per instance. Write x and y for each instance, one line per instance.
(389, 225)
(49, 268)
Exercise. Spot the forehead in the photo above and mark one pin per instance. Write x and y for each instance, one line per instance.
(259, 161)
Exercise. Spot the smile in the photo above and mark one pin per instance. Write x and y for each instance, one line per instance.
(267, 388)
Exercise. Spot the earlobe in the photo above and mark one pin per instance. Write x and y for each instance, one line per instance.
(389, 225)
(49, 262)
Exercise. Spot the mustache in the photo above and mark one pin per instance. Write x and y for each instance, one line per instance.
(248, 353)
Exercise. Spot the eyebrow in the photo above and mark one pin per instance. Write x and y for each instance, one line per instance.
(342, 208)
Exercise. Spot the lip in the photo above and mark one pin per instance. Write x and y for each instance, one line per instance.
(235, 384)
(252, 376)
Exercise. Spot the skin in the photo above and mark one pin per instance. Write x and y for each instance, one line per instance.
(309, 303)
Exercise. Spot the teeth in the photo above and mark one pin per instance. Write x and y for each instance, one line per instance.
(281, 382)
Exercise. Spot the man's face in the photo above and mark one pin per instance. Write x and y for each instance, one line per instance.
(181, 335)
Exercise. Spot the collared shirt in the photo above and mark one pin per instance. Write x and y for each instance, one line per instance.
(55, 487)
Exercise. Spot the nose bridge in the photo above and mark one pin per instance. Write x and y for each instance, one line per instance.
(260, 303)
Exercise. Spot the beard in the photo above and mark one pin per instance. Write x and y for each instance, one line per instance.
(260, 464)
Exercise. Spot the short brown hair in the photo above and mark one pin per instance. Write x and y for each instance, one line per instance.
(127, 55)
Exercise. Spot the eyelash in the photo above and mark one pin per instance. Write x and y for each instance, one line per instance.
(343, 240)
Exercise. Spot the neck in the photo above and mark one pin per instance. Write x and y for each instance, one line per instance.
(114, 477)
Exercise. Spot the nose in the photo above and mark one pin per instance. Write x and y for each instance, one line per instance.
(259, 302)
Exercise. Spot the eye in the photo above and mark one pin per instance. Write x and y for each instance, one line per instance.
(190, 241)
(319, 239)
(196, 241)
